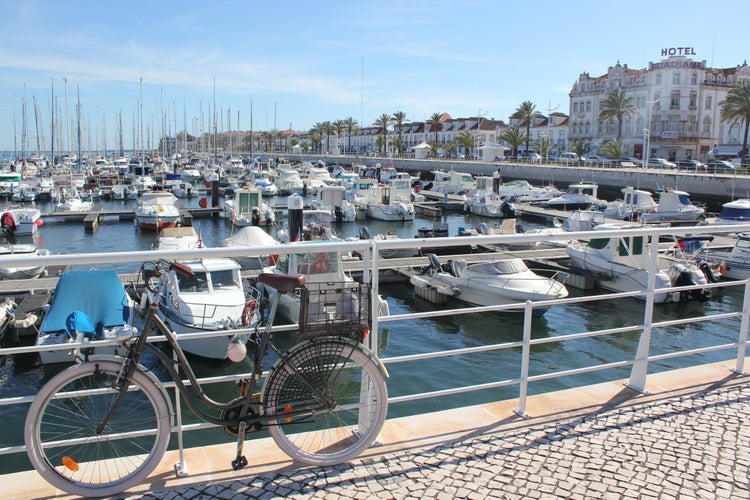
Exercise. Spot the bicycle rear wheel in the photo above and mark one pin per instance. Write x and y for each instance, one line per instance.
(331, 399)
(61, 438)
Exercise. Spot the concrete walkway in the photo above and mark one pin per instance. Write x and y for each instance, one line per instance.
(689, 438)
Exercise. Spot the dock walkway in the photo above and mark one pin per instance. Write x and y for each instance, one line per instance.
(687, 438)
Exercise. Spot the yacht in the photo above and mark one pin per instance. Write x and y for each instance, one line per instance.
(733, 212)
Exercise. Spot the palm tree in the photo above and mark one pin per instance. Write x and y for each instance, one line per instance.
(435, 121)
(327, 128)
(398, 145)
(525, 114)
(383, 121)
(736, 107)
(398, 119)
(613, 149)
(617, 105)
(351, 125)
(465, 139)
(514, 137)
(580, 147)
(543, 146)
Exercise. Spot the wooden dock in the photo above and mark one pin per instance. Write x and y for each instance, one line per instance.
(97, 214)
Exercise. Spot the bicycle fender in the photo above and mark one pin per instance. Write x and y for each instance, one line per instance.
(117, 360)
(356, 345)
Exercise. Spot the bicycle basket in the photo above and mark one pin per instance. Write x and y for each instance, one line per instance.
(338, 308)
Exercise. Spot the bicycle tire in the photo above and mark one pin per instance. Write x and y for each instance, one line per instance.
(61, 441)
(344, 392)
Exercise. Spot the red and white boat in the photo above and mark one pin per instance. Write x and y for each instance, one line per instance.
(157, 210)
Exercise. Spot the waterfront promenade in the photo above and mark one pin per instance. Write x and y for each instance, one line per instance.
(688, 438)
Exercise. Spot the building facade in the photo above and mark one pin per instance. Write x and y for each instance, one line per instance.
(677, 108)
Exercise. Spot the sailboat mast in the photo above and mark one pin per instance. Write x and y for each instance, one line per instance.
(52, 125)
(78, 111)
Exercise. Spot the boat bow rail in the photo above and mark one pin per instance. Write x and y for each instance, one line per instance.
(738, 321)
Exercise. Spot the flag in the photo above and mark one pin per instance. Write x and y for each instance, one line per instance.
(299, 235)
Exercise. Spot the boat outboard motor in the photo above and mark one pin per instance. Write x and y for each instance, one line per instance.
(364, 233)
(686, 277)
(338, 213)
(508, 210)
(9, 225)
(434, 264)
(710, 276)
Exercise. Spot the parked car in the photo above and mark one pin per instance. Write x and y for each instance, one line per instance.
(597, 160)
(661, 163)
(718, 165)
(627, 160)
(691, 165)
(569, 157)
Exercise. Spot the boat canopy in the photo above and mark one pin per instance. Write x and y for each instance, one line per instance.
(507, 266)
(99, 294)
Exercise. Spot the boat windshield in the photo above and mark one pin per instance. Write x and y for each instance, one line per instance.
(198, 282)
(225, 279)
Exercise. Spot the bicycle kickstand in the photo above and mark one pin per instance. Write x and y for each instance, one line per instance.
(240, 461)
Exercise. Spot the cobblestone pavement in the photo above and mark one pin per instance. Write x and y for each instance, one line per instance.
(685, 446)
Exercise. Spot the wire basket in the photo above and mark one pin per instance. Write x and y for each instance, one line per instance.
(337, 308)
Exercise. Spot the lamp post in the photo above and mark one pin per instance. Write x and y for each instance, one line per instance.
(647, 133)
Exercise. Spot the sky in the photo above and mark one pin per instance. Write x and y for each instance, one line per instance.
(168, 66)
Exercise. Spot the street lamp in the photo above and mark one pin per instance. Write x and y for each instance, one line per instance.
(647, 133)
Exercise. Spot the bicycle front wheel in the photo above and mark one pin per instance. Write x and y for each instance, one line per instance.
(331, 400)
(64, 445)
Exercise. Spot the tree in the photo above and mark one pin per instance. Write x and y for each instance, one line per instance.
(525, 114)
(327, 128)
(398, 145)
(514, 137)
(351, 125)
(465, 139)
(613, 149)
(398, 119)
(543, 146)
(736, 107)
(383, 121)
(617, 105)
(580, 147)
(435, 121)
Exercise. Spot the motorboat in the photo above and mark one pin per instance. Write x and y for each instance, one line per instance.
(634, 204)
(389, 202)
(178, 238)
(124, 192)
(211, 297)
(20, 221)
(22, 250)
(580, 196)
(439, 229)
(246, 208)
(520, 190)
(323, 270)
(733, 212)
(157, 210)
(250, 237)
(70, 201)
(386, 253)
(489, 204)
(674, 206)
(735, 262)
(504, 281)
(621, 264)
(7, 315)
(450, 182)
(334, 199)
(262, 180)
(289, 182)
(86, 305)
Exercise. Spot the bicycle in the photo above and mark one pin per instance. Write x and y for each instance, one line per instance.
(101, 426)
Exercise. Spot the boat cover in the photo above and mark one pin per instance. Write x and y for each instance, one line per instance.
(99, 294)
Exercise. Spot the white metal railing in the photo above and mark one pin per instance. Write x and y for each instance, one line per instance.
(639, 364)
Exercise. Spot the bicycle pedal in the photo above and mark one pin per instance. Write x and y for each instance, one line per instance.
(239, 462)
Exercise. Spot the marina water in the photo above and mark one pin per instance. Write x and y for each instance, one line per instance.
(23, 376)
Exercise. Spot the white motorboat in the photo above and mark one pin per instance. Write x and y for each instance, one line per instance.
(522, 191)
(246, 208)
(157, 210)
(20, 221)
(505, 281)
(674, 206)
(262, 180)
(191, 175)
(289, 182)
(735, 262)
(621, 264)
(23, 250)
(390, 202)
(581, 196)
(489, 204)
(124, 192)
(733, 212)
(178, 238)
(97, 296)
(451, 182)
(249, 237)
(334, 199)
(70, 201)
(633, 204)
(209, 298)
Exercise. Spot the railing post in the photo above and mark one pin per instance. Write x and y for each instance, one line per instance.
(639, 371)
(744, 325)
(180, 467)
(370, 258)
(523, 387)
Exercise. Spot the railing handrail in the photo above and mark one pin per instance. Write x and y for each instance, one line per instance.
(370, 265)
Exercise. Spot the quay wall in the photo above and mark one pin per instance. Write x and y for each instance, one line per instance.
(709, 187)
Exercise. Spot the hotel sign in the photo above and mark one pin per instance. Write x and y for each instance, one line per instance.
(678, 51)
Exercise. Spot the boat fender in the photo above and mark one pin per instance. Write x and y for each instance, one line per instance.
(364, 233)
(434, 261)
(251, 306)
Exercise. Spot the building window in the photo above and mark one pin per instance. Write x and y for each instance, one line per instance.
(709, 101)
(588, 106)
(658, 79)
(694, 79)
(575, 107)
(676, 78)
(588, 128)
(693, 100)
(707, 125)
(674, 101)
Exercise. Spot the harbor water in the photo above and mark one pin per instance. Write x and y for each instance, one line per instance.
(22, 376)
